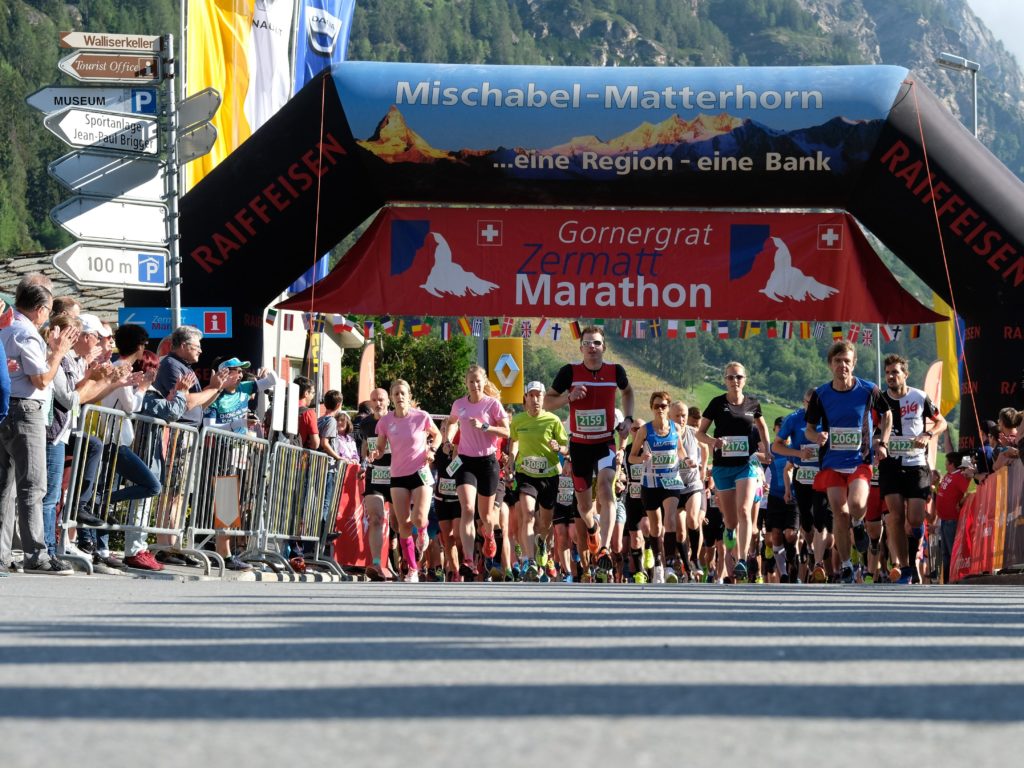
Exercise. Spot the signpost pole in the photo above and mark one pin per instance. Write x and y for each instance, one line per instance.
(174, 236)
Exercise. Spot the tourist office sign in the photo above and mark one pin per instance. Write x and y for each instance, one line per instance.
(112, 67)
(105, 130)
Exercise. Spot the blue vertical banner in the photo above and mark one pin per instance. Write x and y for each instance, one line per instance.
(321, 37)
(321, 40)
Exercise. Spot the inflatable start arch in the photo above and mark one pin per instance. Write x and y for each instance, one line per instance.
(692, 148)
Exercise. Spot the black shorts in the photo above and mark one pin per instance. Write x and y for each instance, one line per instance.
(685, 496)
(543, 489)
(653, 498)
(564, 514)
(588, 459)
(479, 471)
(447, 508)
(908, 482)
(511, 496)
(714, 527)
(814, 512)
(409, 482)
(781, 516)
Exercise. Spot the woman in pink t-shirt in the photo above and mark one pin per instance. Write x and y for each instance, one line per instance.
(481, 422)
(412, 438)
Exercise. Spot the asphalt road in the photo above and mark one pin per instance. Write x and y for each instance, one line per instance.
(111, 671)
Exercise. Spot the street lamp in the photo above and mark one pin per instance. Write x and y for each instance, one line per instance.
(956, 63)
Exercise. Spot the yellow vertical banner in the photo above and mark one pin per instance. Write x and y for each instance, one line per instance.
(946, 348)
(505, 367)
(218, 47)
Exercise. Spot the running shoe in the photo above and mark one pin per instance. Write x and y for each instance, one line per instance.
(604, 558)
(439, 574)
(509, 576)
(568, 578)
(819, 576)
(467, 571)
(769, 552)
(639, 577)
(490, 545)
(759, 579)
(544, 578)
(659, 575)
(869, 578)
(373, 572)
(593, 542)
(670, 576)
(847, 575)
(532, 571)
(497, 573)
(551, 570)
(412, 576)
(729, 538)
(542, 551)
(602, 576)
(906, 575)
(586, 577)
(739, 573)
(648, 562)
(895, 574)
(52, 567)
(752, 569)
(516, 572)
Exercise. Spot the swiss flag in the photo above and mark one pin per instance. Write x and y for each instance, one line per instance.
(488, 232)
(830, 237)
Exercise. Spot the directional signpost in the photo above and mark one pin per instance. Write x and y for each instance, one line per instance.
(112, 67)
(139, 101)
(104, 220)
(96, 264)
(108, 175)
(104, 130)
(125, 175)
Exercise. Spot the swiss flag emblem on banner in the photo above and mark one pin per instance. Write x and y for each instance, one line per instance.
(488, 232)
(830, 237)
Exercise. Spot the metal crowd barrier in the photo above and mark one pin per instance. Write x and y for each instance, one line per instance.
(227, 499)
(169, 452)
(294, 512)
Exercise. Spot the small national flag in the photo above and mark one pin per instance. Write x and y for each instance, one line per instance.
(420, 328)
(543, 326)
(867, 337)
(655, 328)
(707, 325)
(495, 325)
(556, 331)
(915, 331)
(271, 316)
(691, 329)
(750, 328)
(574, 329)
(854, 333)
(627, 329)
(341, 324)
(368, 330)
(318, 322)
(673, 329)
(787, 330)
(837, 332)
(465, 326)
(772, 329)
(525, 328)
(723, 329)
(289, 321)
(507, 326)
(446, 330)
(387, 325)
(891, 332)
(641, 329)
(400, 330)
(599, 323)
(819, 330)
(306, 317)
(478, 326)
(805, 330)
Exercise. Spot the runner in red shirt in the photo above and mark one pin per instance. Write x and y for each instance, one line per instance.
(588, 387)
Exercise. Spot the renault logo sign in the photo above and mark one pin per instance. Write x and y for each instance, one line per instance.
(506, 370)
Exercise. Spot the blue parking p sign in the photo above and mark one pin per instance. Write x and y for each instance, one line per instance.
(152, 269)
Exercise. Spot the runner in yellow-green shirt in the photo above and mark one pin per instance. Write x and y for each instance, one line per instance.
(537, 442)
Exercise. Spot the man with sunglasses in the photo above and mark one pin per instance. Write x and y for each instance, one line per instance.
(588, 387)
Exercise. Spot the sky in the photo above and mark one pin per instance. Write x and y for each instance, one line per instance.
(1006, 20)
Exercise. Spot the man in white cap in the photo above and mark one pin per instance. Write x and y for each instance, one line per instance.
(537, 441)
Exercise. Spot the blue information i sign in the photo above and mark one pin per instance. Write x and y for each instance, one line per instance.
(214, 322)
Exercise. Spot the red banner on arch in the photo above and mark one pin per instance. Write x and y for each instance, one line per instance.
(427, 260)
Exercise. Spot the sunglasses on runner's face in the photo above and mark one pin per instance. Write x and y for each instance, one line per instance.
(735, 377)
(591, 343)
(660, 406)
